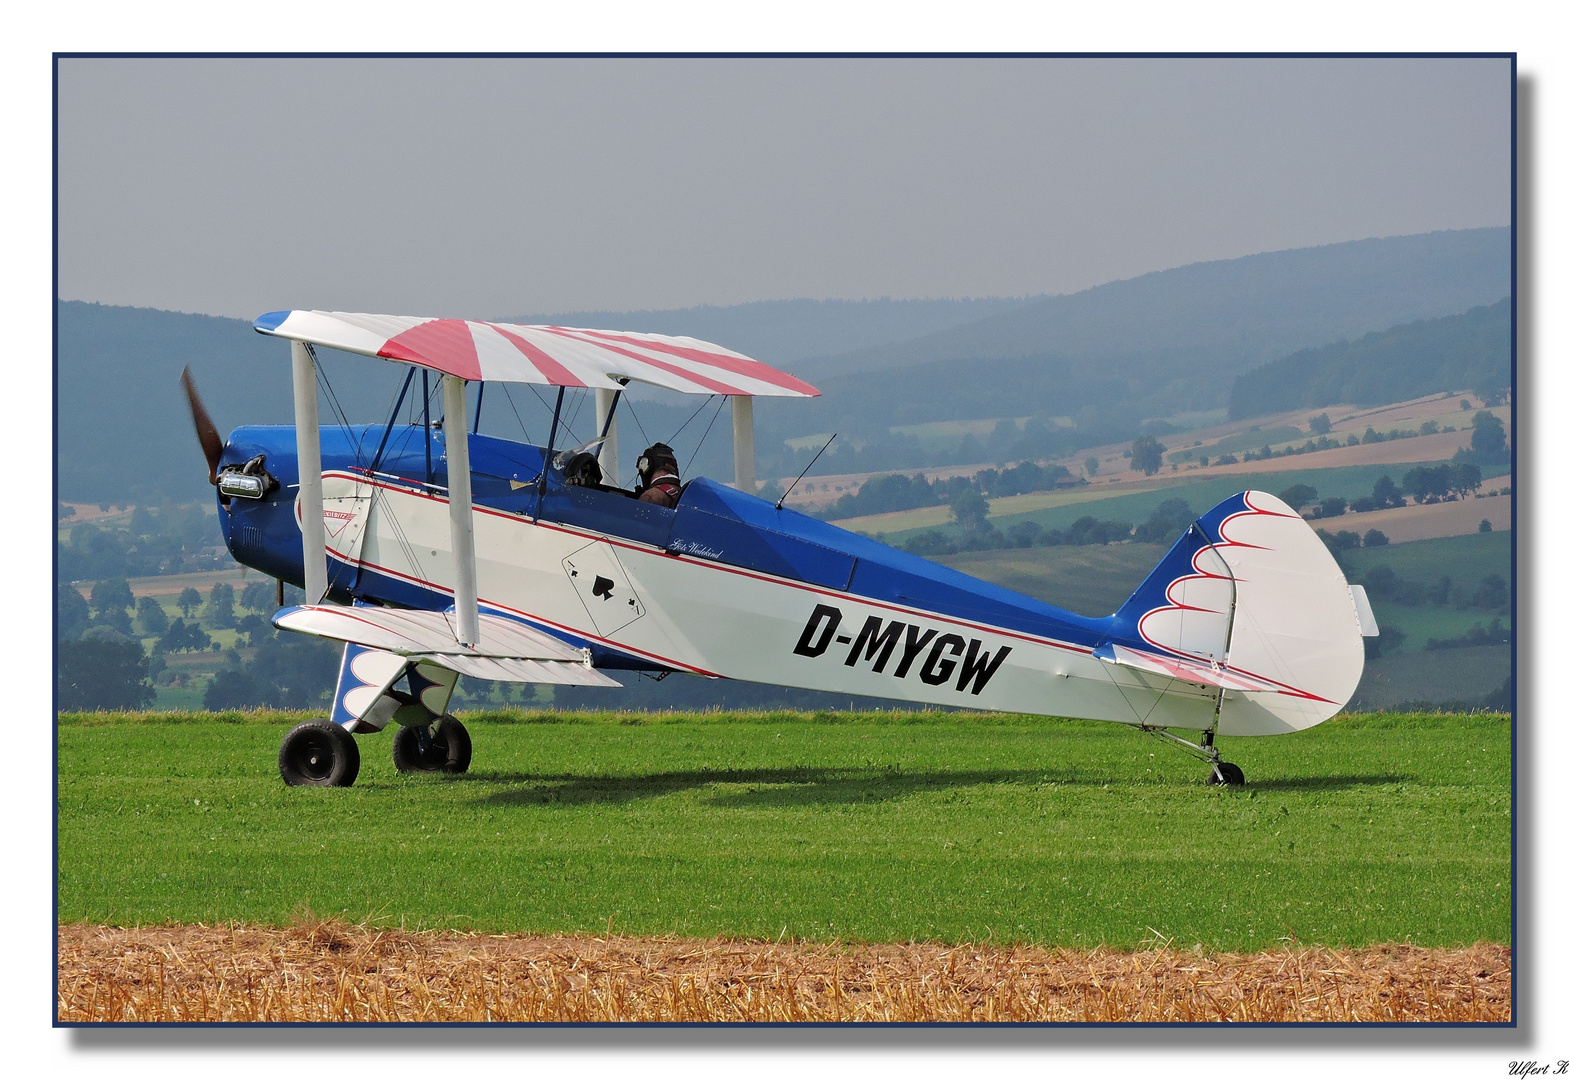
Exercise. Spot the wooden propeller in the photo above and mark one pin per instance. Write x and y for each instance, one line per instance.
(206, 430)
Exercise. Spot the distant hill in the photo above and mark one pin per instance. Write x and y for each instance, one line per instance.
(1469, 351)
(1179, 337)
(783, 332)
(122, 430)
(1147, 347)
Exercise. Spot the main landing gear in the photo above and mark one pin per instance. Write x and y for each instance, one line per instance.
(1220, 772)
(320, 753)
(443, 746)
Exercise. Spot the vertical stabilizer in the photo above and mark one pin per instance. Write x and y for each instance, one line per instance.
(1252, 593)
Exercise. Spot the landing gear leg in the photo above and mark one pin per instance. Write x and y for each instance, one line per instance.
(1221, 772)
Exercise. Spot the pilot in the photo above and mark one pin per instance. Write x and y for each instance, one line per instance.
(659, 480)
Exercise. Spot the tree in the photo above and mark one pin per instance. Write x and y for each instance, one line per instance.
(288, 671)
(1298, 495)
(1427, 485)
(1168, 521)
(1091, 466)
(1466, 477)
(1386, 494)
(261, 596)
(102, 675)
(1331, 506)
(1319, 425)
(1147, 455)
(1487, 436)
(1374, 538)
(220, 605)
(969, 509)
(182, 636)
(71, 612)
(1486, 526)
(189, 601)
(150, 614)
(111, 594)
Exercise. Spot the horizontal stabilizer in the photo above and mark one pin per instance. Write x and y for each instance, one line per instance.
(1193, 671)
(1365, 617)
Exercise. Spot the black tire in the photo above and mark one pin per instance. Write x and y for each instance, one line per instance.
(460, 748)
(319, 753)
(1230, 775)
(448, 748)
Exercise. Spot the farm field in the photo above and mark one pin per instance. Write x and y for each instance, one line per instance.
(164, 586)
(1058, 510)
(873, 827)
(1095, 579)
(1203, 435)
(1406, 523)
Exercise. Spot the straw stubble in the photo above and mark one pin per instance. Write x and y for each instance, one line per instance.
(332, 971)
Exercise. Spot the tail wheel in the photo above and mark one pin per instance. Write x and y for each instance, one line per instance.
(441, 747)
(1226, 773)
(319, 753)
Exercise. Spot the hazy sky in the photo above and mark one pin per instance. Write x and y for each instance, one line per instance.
(488, 188)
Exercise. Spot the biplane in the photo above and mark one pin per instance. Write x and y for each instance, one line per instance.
(432, 552)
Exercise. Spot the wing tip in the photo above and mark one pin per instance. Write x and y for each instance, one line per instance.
(270, 321)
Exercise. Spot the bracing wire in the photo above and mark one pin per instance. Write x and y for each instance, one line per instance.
(340, 417)
(577, 407)
(505, 389)
(644, 433)
(689, 419)
(693, 460)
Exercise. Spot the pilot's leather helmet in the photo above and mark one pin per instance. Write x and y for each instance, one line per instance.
(657, 456)
(584, 471)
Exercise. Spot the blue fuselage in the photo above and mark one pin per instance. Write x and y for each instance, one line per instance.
(712, 522)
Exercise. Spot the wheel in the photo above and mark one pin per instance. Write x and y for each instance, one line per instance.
(447, 748)
(1230, 775)
(319, 753)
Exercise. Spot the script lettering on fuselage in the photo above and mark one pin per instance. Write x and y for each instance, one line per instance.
(879, 643)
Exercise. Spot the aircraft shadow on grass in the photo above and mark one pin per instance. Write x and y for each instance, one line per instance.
(806, 785)
(763, 787)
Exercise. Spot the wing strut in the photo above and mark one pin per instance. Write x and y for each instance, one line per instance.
(460, 509)
(741, 429)
(605, 402)
(307, 439)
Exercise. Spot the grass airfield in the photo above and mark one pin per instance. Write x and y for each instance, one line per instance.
(877, 827)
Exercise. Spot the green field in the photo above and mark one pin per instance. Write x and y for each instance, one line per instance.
(1452, 675)
(872, 826)
(1466, 559)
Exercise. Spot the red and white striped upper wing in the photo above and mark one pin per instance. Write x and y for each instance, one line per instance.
(544, 355)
